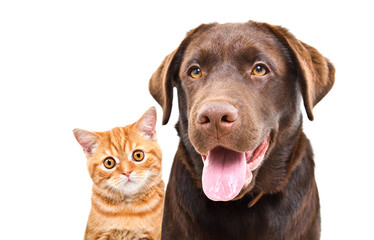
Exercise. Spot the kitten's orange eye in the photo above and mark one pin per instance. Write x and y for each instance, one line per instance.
(259, 70)
(109, 163)
(195, 72)
(138, 155)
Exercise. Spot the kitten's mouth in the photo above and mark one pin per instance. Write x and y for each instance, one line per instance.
(129, 180)
(226, 172)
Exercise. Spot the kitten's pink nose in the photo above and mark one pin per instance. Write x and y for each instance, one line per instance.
(127, 173)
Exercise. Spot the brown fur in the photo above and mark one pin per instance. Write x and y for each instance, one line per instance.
(124, 210)
(269, 104)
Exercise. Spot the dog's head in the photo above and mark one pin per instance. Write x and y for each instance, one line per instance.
(240, 88)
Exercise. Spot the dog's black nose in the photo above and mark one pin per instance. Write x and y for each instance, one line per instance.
(217, 118)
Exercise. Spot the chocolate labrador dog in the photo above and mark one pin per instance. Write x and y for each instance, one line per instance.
(244, 168)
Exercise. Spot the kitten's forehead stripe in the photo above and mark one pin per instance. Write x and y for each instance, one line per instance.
(123, 138)
(113, 150)
(128, 149)
(118, 140)
(109, 153)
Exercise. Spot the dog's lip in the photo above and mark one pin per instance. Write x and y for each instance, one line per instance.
(252, 156)
(255, 157)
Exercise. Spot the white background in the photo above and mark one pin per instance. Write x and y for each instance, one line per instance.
(86, 64)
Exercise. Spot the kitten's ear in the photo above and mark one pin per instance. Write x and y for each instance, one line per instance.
(88, 140)
(147, 123)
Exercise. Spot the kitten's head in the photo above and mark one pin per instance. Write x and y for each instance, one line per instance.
(124, 160)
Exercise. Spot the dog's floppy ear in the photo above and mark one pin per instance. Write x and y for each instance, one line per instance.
(161, 86)
(317, 74)
(163, 80)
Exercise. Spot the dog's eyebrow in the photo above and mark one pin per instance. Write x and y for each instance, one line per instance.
(267, 59)
(208, 58)
(204, 58)
(252, 55)
(192, 61)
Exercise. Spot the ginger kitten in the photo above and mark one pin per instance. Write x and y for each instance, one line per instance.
(128, 192)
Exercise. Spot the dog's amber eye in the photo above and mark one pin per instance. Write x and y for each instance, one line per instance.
(109, 163)
(195, 72)
(138, 155)
(259, 70)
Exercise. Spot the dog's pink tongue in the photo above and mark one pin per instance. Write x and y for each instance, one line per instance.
(223, 174)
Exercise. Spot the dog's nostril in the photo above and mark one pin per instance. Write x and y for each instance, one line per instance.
(229, 118)
(203, 119)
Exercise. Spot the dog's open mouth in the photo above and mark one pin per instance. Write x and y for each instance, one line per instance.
(226, 172)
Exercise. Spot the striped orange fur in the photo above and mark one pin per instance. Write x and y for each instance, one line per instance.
(128, 192)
